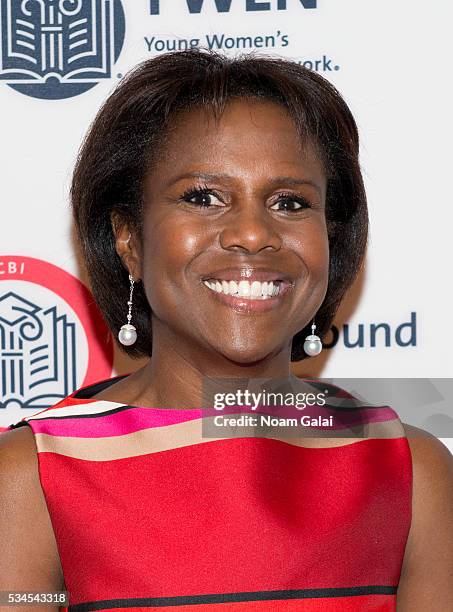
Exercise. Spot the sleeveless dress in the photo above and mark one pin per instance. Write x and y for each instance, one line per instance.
(148, 514)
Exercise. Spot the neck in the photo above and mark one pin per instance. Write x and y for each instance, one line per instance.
(179, 371)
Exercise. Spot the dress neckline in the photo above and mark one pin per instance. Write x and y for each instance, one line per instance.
(86, 393)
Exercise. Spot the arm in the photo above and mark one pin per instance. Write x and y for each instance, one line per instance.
(426, 582)
(29, 559)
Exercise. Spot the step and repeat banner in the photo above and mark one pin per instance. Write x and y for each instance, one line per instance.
(60, 59)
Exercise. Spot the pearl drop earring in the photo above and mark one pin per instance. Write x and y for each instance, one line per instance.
(128, 334)
(312, 344)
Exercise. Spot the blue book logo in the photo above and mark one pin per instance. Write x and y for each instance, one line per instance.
(56, 49)
(38, 353)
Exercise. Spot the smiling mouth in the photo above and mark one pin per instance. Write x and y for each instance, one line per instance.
(247, 290)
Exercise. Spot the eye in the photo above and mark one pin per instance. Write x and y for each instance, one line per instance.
(202, 197)
(288, 202)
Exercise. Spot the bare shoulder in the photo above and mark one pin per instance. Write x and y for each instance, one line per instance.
(431, 459)
(424, 445)
(426, 582)
(18, 459)
(19, 444)
(29, 558)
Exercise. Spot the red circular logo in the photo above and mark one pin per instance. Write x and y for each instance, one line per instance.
(53, 338)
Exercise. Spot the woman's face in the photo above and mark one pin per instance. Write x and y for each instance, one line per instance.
(231, 206)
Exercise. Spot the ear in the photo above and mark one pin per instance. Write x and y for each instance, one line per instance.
(126, 245)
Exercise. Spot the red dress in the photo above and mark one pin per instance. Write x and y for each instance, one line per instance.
(148, 514)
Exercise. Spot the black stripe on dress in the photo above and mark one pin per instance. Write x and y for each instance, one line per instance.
(185, 600)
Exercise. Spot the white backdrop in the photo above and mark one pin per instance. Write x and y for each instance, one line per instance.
(388, 59)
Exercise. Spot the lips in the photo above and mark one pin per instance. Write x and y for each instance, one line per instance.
(258, 290)
(248, 289)
(247, 273)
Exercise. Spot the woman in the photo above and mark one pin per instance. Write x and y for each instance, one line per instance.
(220, 206)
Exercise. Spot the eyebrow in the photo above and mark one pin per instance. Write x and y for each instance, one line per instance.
(275, 180)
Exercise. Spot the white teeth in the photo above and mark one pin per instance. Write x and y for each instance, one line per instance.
(245, 289)
(255, 290)
(232, 288)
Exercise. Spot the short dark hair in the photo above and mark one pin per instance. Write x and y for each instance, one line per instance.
(130, 128)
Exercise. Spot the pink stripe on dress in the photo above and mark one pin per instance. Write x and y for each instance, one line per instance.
(134, 419)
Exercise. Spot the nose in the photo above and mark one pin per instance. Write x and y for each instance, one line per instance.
(250, 230)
